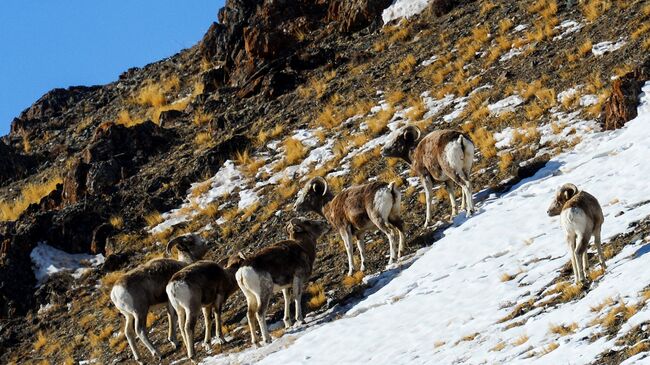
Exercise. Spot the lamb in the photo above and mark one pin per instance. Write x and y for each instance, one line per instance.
(356, 210)
(282, 266)
(143, 287)
(581, 217)
(444, 155)
(205, 285)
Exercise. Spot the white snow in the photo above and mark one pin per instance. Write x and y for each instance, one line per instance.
(429, 61)
(48, 261)
(511, 53)
(520, 27)
(567, 27)
(403, 9)
(505, 105)
(604, 47)
(422, 311)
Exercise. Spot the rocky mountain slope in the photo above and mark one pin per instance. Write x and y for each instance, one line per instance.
(218, 138)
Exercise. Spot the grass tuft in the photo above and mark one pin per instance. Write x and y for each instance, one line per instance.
(31, 193)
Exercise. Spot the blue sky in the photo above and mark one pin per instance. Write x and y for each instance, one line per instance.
(48, 44)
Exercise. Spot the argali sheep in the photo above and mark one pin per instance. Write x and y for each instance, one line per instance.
(356, 210)
(282, 266)
(444, 155)
(581, 217)
(143, 287)
(203, 285)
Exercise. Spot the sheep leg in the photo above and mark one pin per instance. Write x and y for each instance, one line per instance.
(129, 332)
(401, 243)
(347, 241)
(252, 305)
(362, 253)
(171, 332)
(217, 318)
(207, 319)
(467, 200)
(388, 230)
(250, 315)
(190, 321)
(182, 318)
(265, 296)
(599, 246)
(571, 241)
(287, 305)
(428, 193)
(297, 296)
(141, 331)
(578, 255)
(449, 186)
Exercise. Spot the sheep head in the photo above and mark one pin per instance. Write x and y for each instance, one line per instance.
(563, 195)
(313, 196)
(402, 142)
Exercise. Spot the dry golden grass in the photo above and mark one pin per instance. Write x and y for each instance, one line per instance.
(507, 277)
(498, 347)
(203, 138)
(645, 45)
(276, 131)
(153, 218)
(645, 295)
(484, 140)
(405, 66)
(354, 280)
(201, 118)
(617, 314)
(505, 160)
(567, 291)
(643, 29)
(505, 25)
(378, 122)
(395, 96)
(533, 111)
(329, 117)
(124, 118)
(294, 150)
(593, 9)
(520, 340)
(317, 296)
(360, 177)
(595, 274)
(249, 211)
(417, 110)
(399, 34)
(486, 7)
(287, 190)
(116, 221)
(469, 337)
(605, 303)
(550, 348)
(585, 48)
(41, 341)
(638, 348)
(30, 193)
(563, 330)
(248, 165)
(360, 160)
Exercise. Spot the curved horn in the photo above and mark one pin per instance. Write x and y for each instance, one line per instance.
(173, 242)
(319, 180)
(566, 188)
(413, 131)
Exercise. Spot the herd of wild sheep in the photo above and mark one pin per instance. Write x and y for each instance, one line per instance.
(189, 284)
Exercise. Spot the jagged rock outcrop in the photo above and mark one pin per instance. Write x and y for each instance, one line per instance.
(13, 165)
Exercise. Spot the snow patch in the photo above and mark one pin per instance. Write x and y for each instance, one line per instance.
(403, 9)
(604, 47)
(48, 261)
(505, 105)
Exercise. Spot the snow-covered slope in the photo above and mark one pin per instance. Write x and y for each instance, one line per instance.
(445, 308)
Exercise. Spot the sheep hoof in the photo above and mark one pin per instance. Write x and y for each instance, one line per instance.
(298, 323)
(220, 341)
(287, 323)
(362, 268)
(207, 347)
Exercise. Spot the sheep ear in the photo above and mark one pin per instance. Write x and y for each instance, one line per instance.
(294, 225)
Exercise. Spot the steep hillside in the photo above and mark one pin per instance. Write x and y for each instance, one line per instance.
(219, 138)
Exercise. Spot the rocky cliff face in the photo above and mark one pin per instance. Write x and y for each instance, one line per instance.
(268, 69)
